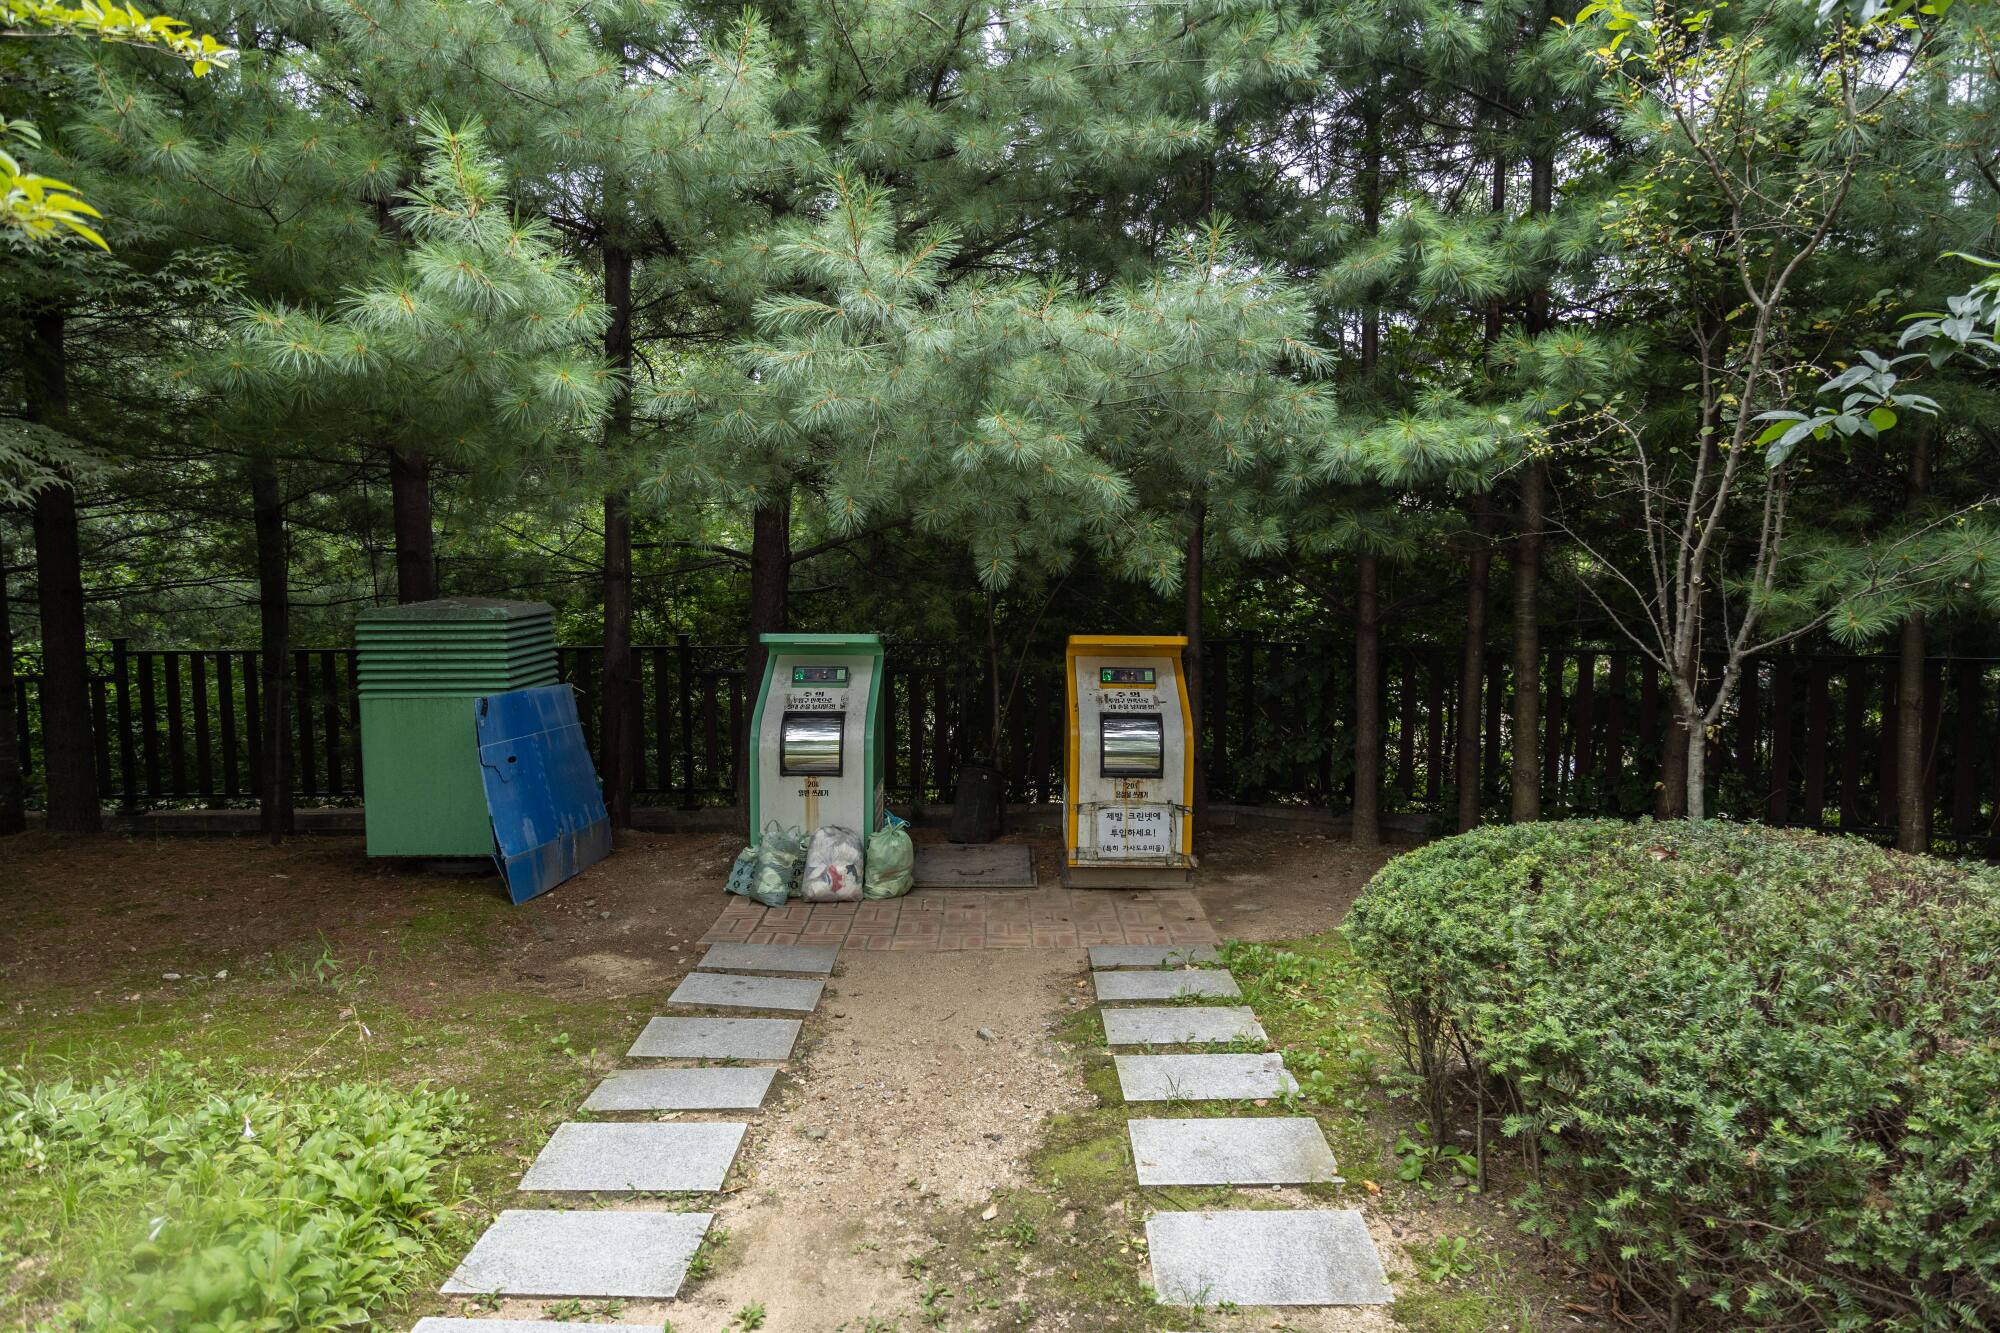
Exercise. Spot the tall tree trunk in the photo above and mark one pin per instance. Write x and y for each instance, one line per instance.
(770, 590)
(68, 766)
(13, 794)
(1472, 663)
(619, 724)
(1526, 775)
(1191, 657)
(410, 515)
(274, 648)
(1366, 828)
(1913, 832)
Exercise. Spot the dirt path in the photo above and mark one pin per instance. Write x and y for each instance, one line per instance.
(899, 1104)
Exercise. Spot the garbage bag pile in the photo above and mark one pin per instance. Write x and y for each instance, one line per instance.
(828, 867)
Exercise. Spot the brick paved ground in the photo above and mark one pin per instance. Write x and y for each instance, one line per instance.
(933, 920)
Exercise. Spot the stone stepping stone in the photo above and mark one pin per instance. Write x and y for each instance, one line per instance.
(1164, 985)
(533, 1252)
(714, 990)
(1265, 1258)
(622, 1156)
(527, 1325)
(1278, 1151)
(436, 1325)
(816, 959)
(1180, 1025)
(1150, 955)
(1202, 1078)
(710, 1089)
(717, 1039)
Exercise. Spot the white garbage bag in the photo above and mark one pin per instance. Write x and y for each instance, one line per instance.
(833, 866)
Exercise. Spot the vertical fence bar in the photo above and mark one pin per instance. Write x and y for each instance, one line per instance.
(711, 728)
(1434, 730)
(736, 729)
(176, 728)
(1933, 716)
(1496, 697)
(1749, 723)
(1215, 707)
(663, 751)
(225, 684)
(1887, 779)
(329, 683)
(149, 732)
(1854, 686)
(101, 731)
(1965, 751)
(1613, 753)
(1817, 713)
(253, 721)
(1778, 800)
(305, 775)
(204, 752)
(121, 682)
(685, 688)
(353, 659)
(1583, 724)
(1552, 726)
(913, 684)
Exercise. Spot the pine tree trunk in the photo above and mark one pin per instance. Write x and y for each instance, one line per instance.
(1366, 830)
(1526, 774)
(410, 515)
(13, 793)
(274, 648)
(770, 589)
(619, 694)
(69, 769)
(1191, 657)
(1913, 832)
(1472, 664)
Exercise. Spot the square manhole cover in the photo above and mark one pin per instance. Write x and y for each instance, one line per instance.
(952, 865)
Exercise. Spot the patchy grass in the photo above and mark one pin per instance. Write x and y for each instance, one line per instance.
(297, 1032)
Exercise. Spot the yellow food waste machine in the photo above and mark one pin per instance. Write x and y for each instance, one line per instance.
(816, 757)
(1129, 775)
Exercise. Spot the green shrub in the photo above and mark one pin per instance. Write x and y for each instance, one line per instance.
(180, 1199)
(1759, 1071)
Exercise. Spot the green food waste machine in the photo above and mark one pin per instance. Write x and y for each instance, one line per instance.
(816, 751)
(420, 667)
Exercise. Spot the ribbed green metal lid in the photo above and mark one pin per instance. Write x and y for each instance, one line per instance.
(456, 646)
(458, 608)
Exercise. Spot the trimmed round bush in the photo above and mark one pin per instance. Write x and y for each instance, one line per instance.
(1757, 1071)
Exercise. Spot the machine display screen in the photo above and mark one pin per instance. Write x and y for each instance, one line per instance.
(1125, 676)
(819, 675)
(810, 744)
(1132, 745)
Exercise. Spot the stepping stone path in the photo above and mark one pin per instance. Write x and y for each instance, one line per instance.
(1202, 1078)
(1180, 1025)
(631, 1253)
(1165, 985)
(667, 1159)
(1273, 1151)
(1237, 1257)
(717, 990)
(815, 959)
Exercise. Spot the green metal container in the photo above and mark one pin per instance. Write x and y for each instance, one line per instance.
(421, 666)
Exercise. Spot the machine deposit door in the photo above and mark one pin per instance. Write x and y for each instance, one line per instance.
(1133, 745)
(811, 744)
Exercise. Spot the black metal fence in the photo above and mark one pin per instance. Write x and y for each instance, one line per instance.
(1808, 742)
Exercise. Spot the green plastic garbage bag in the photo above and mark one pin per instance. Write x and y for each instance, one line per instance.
(892, 860)
(779, 853)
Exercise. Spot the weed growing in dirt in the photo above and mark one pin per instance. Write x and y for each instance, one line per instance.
(191, 1195)
(751, 1316)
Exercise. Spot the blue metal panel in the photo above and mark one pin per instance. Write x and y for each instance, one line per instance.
(541, 789)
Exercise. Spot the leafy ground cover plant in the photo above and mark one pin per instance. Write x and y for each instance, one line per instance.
(189, 1197)
(1758, 1071)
